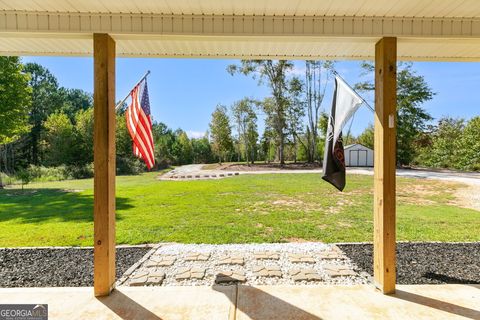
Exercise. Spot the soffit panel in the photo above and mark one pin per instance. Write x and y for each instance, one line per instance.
(414, 49)
(359, 8)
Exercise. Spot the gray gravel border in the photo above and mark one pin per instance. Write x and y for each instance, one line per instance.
(58, 267)
(425, 262)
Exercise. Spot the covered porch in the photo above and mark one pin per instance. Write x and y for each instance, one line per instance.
(374, 30)
(256, 302)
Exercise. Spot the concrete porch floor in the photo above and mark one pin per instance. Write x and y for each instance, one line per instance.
(259, 302)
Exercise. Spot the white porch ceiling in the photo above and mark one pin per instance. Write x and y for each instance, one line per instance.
(338, 8)
(447, 30)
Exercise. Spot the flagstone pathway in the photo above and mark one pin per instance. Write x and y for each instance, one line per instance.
(289, 263)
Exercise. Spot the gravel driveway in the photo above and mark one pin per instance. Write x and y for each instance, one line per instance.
(470, 178)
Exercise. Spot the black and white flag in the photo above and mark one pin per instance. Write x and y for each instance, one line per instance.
(345, 102)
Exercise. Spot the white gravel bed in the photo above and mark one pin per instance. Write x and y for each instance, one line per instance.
(247, 251)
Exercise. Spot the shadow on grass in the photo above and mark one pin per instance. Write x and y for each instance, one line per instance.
(39, 205)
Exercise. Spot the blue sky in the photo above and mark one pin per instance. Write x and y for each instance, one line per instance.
(184, 92)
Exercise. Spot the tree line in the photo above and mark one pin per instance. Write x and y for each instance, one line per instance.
(296, 121)
(293, 114)
(48, 128)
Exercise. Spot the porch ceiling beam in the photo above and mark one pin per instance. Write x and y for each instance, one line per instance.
(345, 26)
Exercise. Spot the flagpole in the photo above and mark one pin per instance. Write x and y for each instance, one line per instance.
(366, 103)
(139, 81)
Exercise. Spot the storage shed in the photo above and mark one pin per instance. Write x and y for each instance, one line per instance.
(357, 155)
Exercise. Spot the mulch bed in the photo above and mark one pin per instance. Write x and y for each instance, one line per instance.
(426, 263)
(71, 267)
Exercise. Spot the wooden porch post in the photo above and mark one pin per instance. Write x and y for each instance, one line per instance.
(385, 164)
(104, 163)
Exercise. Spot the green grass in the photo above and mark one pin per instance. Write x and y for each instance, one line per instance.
(247, 208)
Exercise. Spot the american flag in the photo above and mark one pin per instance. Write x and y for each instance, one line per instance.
(139, 124)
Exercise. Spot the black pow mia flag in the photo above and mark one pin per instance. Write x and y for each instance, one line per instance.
(345, 102)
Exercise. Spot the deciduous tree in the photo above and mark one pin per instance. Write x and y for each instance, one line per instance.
(412, 118)
(182, 148)
(470, 145)
(74, 100)
(246, 123)
(46, 99)
(84, 132)
(295, 113)
(221, 133)
(202, 151)
(317, 75)
(366, 137)
(15, 99)
(59, 140)
(275, 72)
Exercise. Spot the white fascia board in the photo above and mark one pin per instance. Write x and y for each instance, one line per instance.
(13, 21)
(239, 37)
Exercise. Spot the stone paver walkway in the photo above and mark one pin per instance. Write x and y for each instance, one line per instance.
(232, 259)
(305, 275)
(264, 255)
(267, 271)
(299, 257)
(251, 264)
(186, 273)
(230, 276)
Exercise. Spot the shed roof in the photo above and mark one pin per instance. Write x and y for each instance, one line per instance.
(349, 146)
(348, 29)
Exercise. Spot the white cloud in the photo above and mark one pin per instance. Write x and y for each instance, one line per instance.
(195, 134)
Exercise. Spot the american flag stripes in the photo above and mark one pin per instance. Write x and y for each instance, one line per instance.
(139, 124)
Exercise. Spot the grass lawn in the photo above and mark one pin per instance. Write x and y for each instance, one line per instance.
(247, 208)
